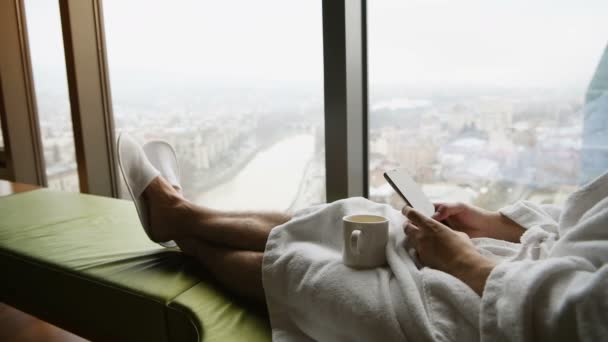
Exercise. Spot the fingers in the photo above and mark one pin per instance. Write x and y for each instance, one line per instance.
(413, 215)
(440, 211)
(411, 232)
(445, 210)
(421, 221)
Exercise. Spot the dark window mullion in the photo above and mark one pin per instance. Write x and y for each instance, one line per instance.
(345, 71)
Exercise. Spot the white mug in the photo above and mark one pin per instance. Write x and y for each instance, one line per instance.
(365, 238)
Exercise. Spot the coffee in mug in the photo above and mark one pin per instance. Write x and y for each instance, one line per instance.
(365, 238)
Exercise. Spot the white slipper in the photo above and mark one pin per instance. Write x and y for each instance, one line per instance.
(138, 173)
(163, 157)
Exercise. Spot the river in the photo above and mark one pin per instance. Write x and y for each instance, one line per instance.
(270, 181)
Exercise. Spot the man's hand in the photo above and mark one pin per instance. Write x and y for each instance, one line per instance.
(447, 250)
(477, 222)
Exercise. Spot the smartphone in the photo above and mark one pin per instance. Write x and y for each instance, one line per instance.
(410, 191)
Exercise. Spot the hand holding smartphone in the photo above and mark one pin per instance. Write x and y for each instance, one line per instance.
(410, 191)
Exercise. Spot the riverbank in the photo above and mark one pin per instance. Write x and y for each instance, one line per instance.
(213, 180)
(271, 180)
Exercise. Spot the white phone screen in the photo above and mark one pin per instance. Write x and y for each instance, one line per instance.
(410, 191)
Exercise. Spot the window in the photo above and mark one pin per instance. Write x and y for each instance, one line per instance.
(488, 102)
(236, 86)
(50, 83)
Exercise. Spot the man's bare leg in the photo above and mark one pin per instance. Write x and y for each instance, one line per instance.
(174, 218)
(240, 271)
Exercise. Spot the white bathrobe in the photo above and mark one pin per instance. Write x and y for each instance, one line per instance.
(552, 286)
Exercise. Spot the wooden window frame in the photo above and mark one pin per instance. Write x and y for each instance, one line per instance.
(90, 96)
(23, 156)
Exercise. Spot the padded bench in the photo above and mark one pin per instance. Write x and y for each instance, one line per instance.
(83, 263)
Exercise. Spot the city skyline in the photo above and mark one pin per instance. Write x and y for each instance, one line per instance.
(428, 121)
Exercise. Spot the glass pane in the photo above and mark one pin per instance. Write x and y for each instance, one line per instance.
(488, 102)
(236, 86)
(50, 82)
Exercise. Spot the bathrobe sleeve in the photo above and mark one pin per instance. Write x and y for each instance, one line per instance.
(556, 299)
(560, 297)
(529, 214)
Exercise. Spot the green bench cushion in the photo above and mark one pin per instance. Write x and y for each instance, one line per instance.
(84, 263)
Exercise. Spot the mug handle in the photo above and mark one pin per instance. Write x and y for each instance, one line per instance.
(354, 241)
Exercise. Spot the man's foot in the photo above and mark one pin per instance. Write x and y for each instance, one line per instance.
(167, 210)
(163, 157)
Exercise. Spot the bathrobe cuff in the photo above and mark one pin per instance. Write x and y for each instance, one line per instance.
(528, 214)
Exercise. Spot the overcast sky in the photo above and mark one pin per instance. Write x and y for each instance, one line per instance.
(494, 42)
(467, 42)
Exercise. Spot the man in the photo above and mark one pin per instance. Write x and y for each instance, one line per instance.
(531, 272)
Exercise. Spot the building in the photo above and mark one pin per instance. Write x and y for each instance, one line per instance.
(595, 129)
